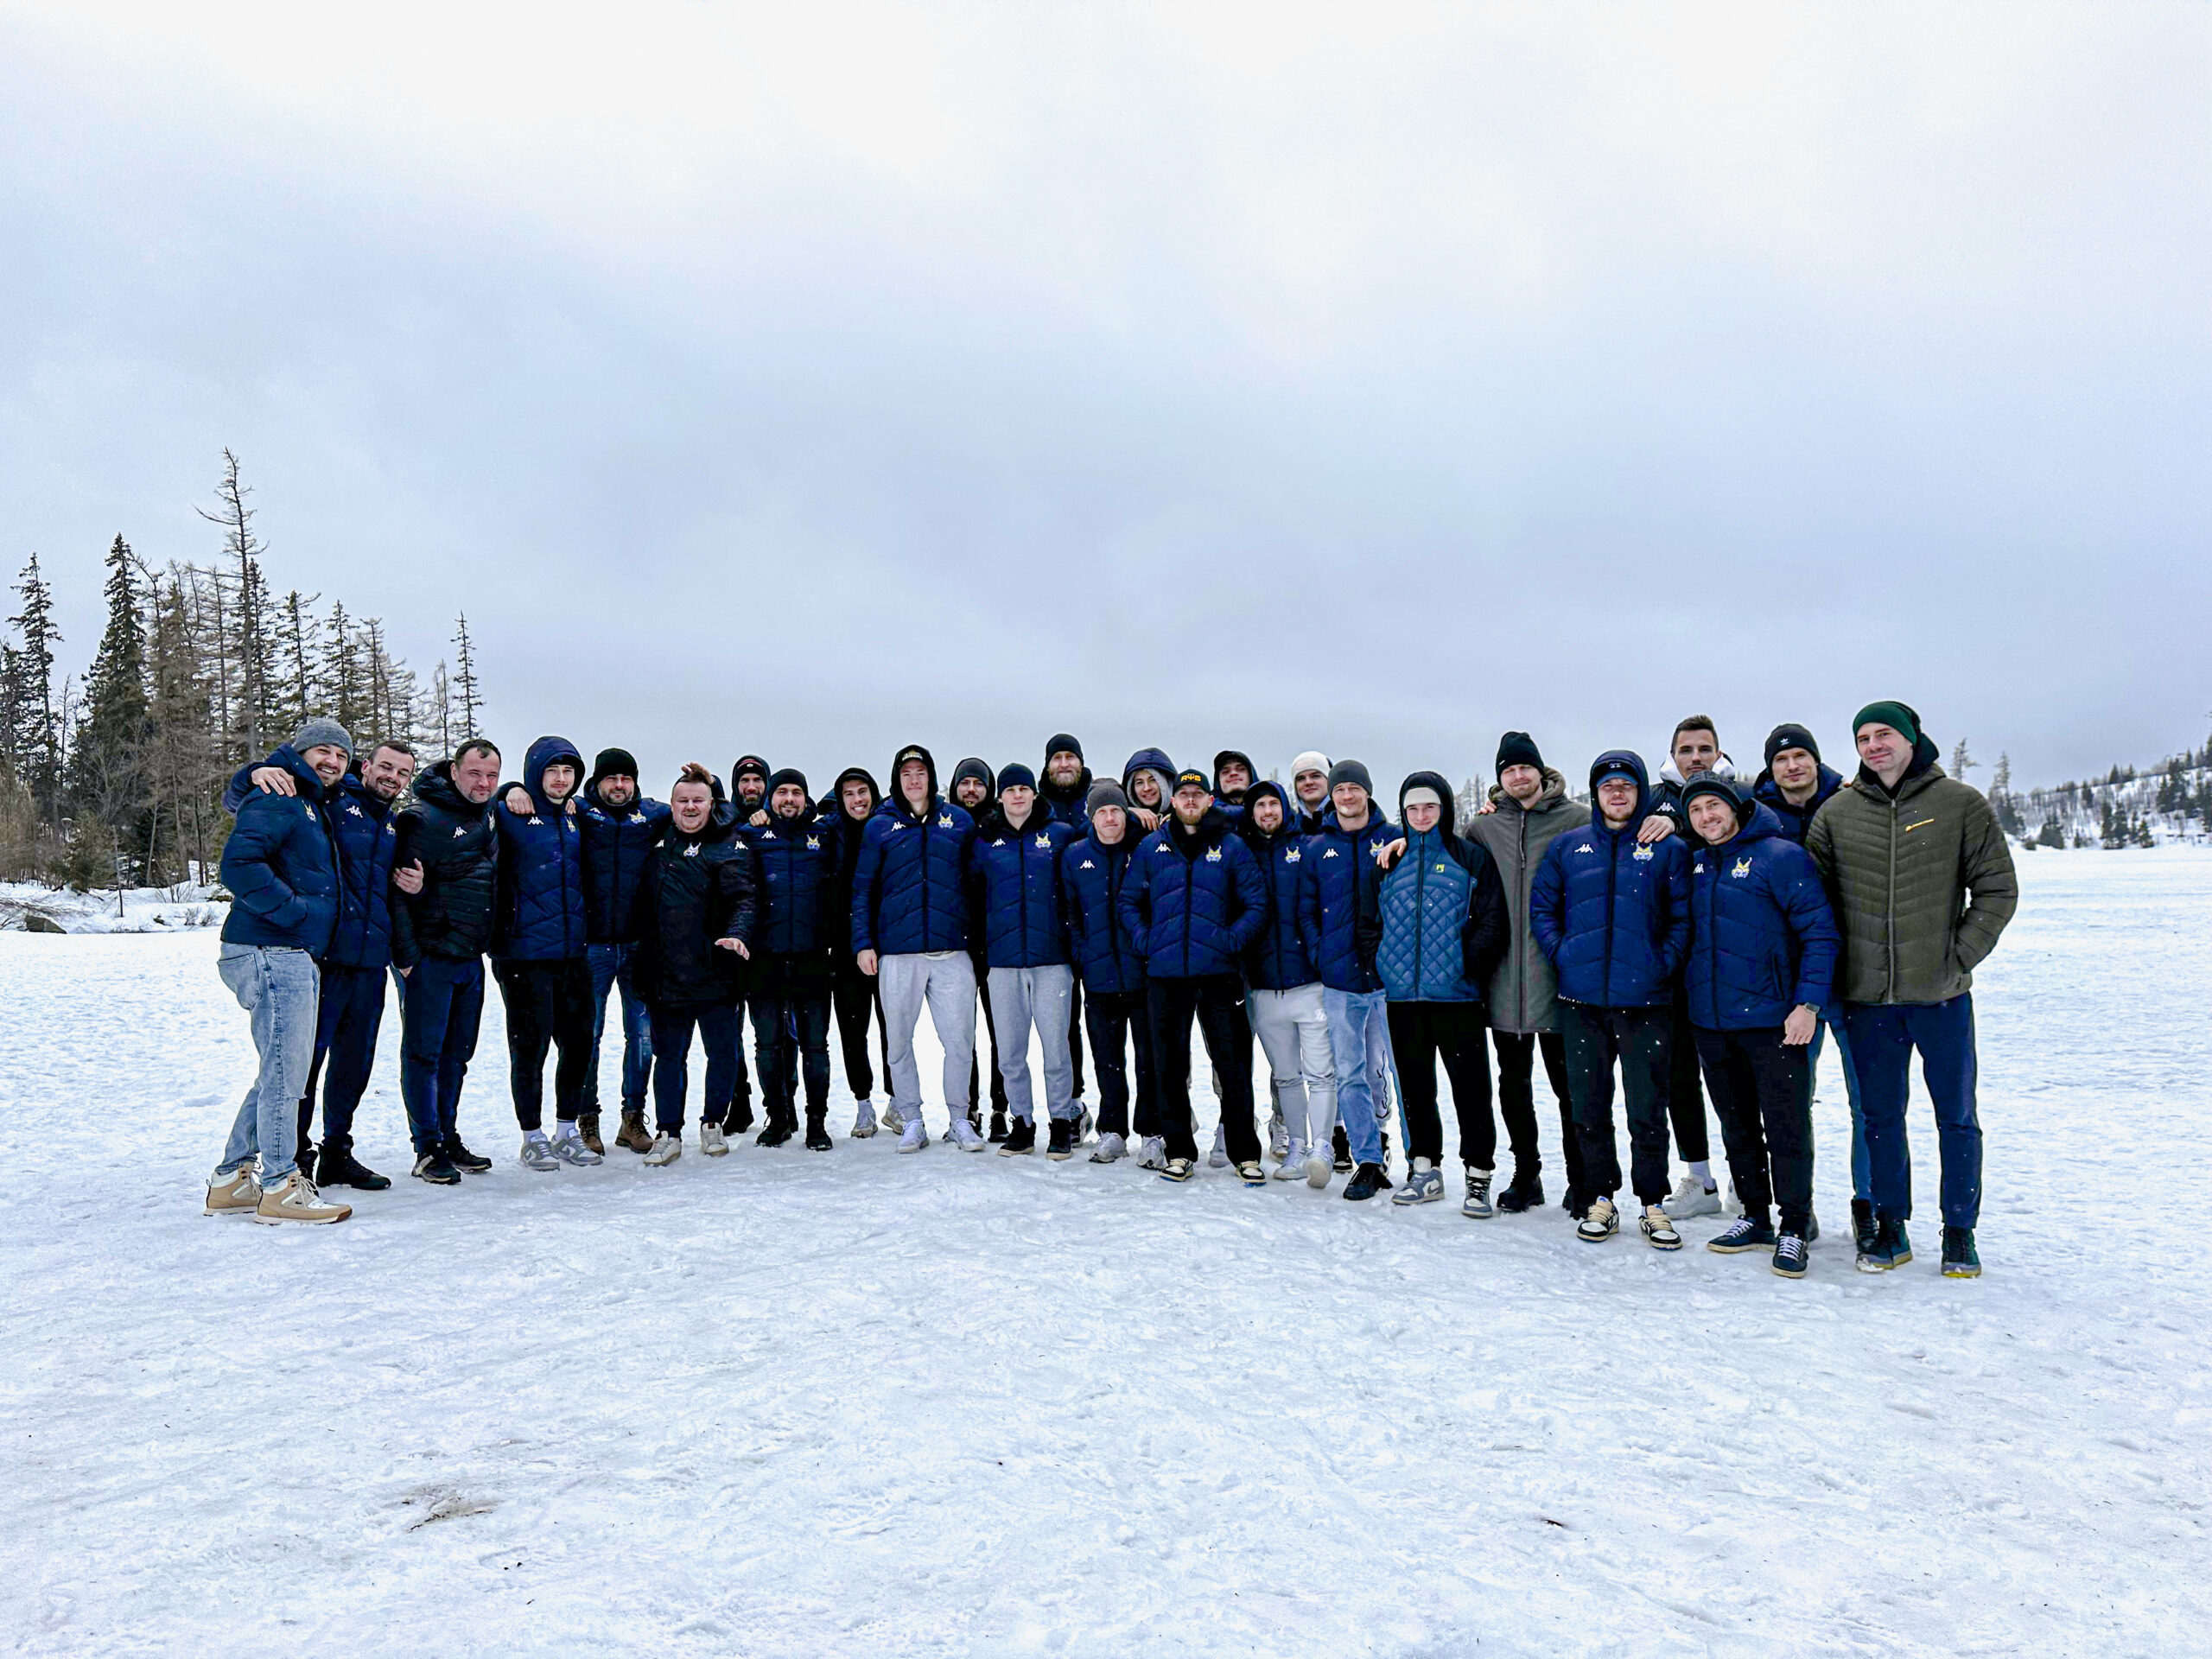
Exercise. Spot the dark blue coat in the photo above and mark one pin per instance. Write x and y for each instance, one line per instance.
(1194, 900)
(365, 833)
(281, 868)
(1017, 890)
(1613, 917)
(617, 842)
(1072, 807)
(1091, 878)
(1762, 936)
(910, 888)
(1340, 882)
(541, 917)
(1441, 916)
(1277, 961)
(1795, 821)
(797, 870)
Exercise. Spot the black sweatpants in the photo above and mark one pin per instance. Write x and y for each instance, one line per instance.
(1075, 1034)
(1115, 1021)
(792, 1035)
(1420, 1034)
(1517, 1070)
(347, 1019)
(548, 1004)
(1224, 1023)
(857, 1000)
(1685, 1100)
(1763, 1094)
(1642, 1040)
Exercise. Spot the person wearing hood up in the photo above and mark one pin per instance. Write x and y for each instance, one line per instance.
(1611, 914)
(1923, 886)
(795, 859)
(1064, 789)
(1436, 928)
(539, 954)
(853, 997)
(1762, 966)
(1233, 773)
(1093, 871)
(912, 930)
(975, 790)
(695, 919)
(748, 788)
(1148, 781)
(1284, 994)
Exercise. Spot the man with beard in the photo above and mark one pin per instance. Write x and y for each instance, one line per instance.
(748, 788)
(1093, 871)
(975, 790)
(620, 829)
(796, 857)
(852, 993)
(1065, 792)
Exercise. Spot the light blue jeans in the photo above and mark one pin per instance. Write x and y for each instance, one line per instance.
(1353, 1015)
(279, 987)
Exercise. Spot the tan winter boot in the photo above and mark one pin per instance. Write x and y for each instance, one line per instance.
(293, 1199)
(587, 1130)
(236, 1193)
(633, 1133)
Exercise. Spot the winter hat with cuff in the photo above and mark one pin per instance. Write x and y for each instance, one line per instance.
(1312, 761)
(321, 732)
(1518, 749)
(613, 763)
(1062, 743)
(1105, 792)
(1899, 714)
(1350, 771)
(1790, 735)
(1014, 775)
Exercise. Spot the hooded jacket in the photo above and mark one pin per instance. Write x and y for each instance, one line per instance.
(1612, 916)
(1762, 938)
(696, 889)
(1524, 989)
(1339, 887)
(909, 889)
(1092, 876)
(1922, 882)
(1016, 876)
(848, 831)
(280, 865)
(1796, 820)
(364, 835)
(1194, 900)
(458, 846)
(795, 870)
(1665, 797)
(1277, 961)
(1233, 810)
(541, 867)
(617, 842)
(1071, 806)
(1150, 761)
(1440, 922)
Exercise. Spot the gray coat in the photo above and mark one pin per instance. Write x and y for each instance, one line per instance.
(1524, 991)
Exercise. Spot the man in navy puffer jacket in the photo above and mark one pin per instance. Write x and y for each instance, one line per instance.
(620, 827)
(974, 788)
(539, 953)
(911, 931)
(1014, 864)
(1764, 947)
(1611, 913)
(1093, 871)
(1286, 992)
(1194, 901)
(795, 859)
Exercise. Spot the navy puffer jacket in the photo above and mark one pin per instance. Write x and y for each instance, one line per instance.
(1341, 879)
(366, 835)
(1092, 876)
(1613, 917)
(1277, 961)
(848, 831)
(910, 888)
(1017, 889)
(542, 866)
(797, 868)
(281, 868)
(1763, 939)
(1441, 924)
(1795, 821)
(617, 842)
(1194, 900)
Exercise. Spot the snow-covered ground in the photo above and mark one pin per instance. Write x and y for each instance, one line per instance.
(787, 1404)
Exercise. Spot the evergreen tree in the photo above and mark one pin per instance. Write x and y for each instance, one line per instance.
(18, 826)
(343, 686)
(38, 753)
(464, 680)
(184, 755)
(1961, 762)
(298, 660)
(108, 755)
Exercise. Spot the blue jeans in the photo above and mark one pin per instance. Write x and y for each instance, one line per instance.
(1862, 1185)
(439, 1012)
(279, 988)
(610, 967)
(1351, 1015)
(720, 1026)
(1883, 1037)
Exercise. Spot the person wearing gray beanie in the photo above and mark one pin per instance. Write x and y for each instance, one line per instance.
(320, 731)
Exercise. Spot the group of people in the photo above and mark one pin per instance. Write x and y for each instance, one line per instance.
(1698, 935)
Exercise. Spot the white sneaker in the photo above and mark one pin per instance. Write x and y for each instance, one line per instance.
(1599, 1222)
(1658, 1231)
(1279, 1141)
(1218, 1157)
(1292, 1167)
(536, 1153)
(667, 1148)
(963, 1135)
(864, 1121)
(1424, 1184)
(1154, 1153)
(1320, 1164)
(712, 1141)
(1691, 1196)
(568, 1146)
(1111, 1147)
(914, 1137)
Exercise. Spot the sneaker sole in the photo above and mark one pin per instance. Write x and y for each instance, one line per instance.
(1059, 1157)
(1781, 1272)
(1177, 1176)
(1479, 1215)
(1597, 1238)
(1951, 1270)
(1675, 1244)
(1718, 1248)
(301, 1221)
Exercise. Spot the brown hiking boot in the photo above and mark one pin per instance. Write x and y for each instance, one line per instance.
(236, 1193)
(293, 1199)
(633, 1133)
(588, 1131)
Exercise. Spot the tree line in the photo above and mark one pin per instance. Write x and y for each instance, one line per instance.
(117, 775)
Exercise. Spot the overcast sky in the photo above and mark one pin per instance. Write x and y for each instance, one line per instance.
(813, 379)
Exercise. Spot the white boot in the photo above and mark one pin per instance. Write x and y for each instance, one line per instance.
(1292, 1167)
(712, 1141)
(1111, 1147)
(666, 1149)
(864, 1121)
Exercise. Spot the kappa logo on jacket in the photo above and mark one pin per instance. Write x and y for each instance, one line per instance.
(1585, 848)
(354, 807)
(459, 830)
(1086, 864)
(534, 819)
(1332, 853)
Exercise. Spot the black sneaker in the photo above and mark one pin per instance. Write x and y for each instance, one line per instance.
(1022, 1137)
(1790, 1259)
(304, 1159)
(1340, 1150)
(463, 1159)
(1890, 1248)
(1862, 1224)
(1367, 1181)
(340, 1168)
(1061, 1145)
(818, 1134)
(1960, 1259)
(1746, 1233)
(432, 1166)
(998, 1128)
(1526, 1193)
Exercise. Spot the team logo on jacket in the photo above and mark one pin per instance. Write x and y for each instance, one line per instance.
(534, 819)
(1642, 854)
(1293, 857)
(814, 844)
(1332, 853)
(945, 822)
(459, 830)
(1044, 840)
(1586, 847)
(1743, 867)
(1086, 864)
(637, 817)
(692, 851)
(390, 829)
(354, 807)
(1213, 855)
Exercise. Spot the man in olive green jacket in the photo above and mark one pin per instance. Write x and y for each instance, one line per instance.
(1923, 884)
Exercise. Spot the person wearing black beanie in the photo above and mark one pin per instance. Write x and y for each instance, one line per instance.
(748, 787)
(853, 997)
(618, 827)
(975, 786)
(1064, 793)
(792, 974)
(1518, 749)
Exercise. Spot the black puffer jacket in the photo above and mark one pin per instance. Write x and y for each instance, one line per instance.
(458, 846)
(696, 889)
(849, 831)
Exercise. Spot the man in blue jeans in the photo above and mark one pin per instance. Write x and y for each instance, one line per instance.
(1922, 885)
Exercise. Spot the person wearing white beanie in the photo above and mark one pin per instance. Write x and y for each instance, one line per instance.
(1309, 790)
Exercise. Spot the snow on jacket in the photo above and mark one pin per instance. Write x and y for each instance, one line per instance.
(281, 868)
(365, 834)
(848, 831)
(1194, 900)
(697, 888)
(1524, 989)
(458, 846)
(1340, 882)
(617, 842)
(541, 867)
(1439, 921)
(1761, 937)
(909, 889)
(795, 867)
(1922, 882)
(1612, 916)
(1092, 875)
(1796, 821)
(1277, 960)
(1016, 877)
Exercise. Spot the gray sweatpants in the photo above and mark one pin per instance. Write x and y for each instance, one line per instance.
(1022, 998)
(1293, 1032)
(946, 981)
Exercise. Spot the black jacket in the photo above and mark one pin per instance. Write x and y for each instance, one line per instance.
(696, 889)
(458, 845)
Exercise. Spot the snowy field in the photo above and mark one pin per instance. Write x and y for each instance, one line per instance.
(788, 1404)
